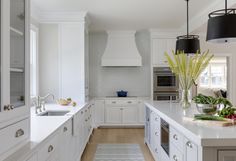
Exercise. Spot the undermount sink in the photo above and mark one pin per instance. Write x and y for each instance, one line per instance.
(53, 113)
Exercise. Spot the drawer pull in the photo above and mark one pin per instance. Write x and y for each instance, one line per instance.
(129, 101)
(114, 102)
(175, 158)
(50, 148)
(8, 107)
(175, 137)
(86, 110)
(189, 144)
(19, 133)
(65, 129)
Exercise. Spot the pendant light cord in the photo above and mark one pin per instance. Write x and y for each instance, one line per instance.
(226, 6)
(187, 19)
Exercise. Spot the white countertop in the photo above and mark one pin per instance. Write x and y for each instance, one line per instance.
(42, 127)
(122, 98)
(203, 135)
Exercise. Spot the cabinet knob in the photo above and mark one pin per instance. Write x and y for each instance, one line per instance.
(81, 112)
(156, 150)
(175, 137)
(175, 158)
(156, 119)
(65, 129)
(19, 133)
(189, 144)
(156, 133)
(50, 148)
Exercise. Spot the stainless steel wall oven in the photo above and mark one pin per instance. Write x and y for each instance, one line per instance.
(165, 84)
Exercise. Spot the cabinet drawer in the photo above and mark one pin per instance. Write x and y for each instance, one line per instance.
(67, 128)
(176, 139)
(49, 148)
(121, 102)
(175, 154)
(13, 135)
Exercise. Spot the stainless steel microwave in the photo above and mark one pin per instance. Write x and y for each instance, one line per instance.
(164, 80)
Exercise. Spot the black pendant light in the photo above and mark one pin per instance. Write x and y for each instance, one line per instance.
(189, 44)
(222, 25)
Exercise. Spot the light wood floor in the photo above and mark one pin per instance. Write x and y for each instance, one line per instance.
(101, 136)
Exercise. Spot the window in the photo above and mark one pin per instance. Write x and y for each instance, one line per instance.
(33, 61)
(215, 75)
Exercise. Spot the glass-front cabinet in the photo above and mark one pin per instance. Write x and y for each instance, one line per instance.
(14, 59)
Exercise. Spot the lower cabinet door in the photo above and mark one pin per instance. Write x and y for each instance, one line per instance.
(53, 158)
(65, 142)
(191, 151)
(130, 115)
(33, 158)
(113, 115)
(227, 155)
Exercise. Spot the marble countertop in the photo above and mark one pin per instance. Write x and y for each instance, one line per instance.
(204, 135)
(42, 127)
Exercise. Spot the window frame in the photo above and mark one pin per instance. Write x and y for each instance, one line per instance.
(210, 86)
(36, 30)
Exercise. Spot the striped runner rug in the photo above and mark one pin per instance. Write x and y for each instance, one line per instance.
(118, 152)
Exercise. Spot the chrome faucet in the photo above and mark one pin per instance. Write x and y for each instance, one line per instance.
(39, 103)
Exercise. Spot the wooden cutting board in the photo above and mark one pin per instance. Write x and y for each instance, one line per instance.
(226, 123)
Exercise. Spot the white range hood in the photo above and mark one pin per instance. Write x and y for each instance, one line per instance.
(121, 50)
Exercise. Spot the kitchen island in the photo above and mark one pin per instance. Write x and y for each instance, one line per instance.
(172, 136)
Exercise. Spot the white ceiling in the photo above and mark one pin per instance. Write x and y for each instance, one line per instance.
(128, 14)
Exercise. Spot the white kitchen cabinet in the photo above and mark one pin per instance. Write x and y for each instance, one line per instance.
(74, 61)
(14, 48)
(33, 158)
(50, 149)
(122, 112)
(191, 150)
(130, 114)
(227, 155)
(99, 112)
(82, 129)
(155, 134)
(113, 115)
(14, 98)
(141, 112)
(159, 47)
(65, 142)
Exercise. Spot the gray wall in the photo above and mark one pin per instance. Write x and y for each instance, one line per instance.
(105, 81)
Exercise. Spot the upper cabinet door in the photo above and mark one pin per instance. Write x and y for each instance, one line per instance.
(17, 53)
(14, 59)
(159, 47)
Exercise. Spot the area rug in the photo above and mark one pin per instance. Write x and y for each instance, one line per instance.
(118, 152)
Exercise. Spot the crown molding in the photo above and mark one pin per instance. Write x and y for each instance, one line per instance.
(34, 11)
(63, 17)
(202, 17)
(167, 33)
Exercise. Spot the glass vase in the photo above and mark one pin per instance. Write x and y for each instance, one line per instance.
(186, 98)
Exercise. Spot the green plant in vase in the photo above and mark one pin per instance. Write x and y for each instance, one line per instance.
(188, 68)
